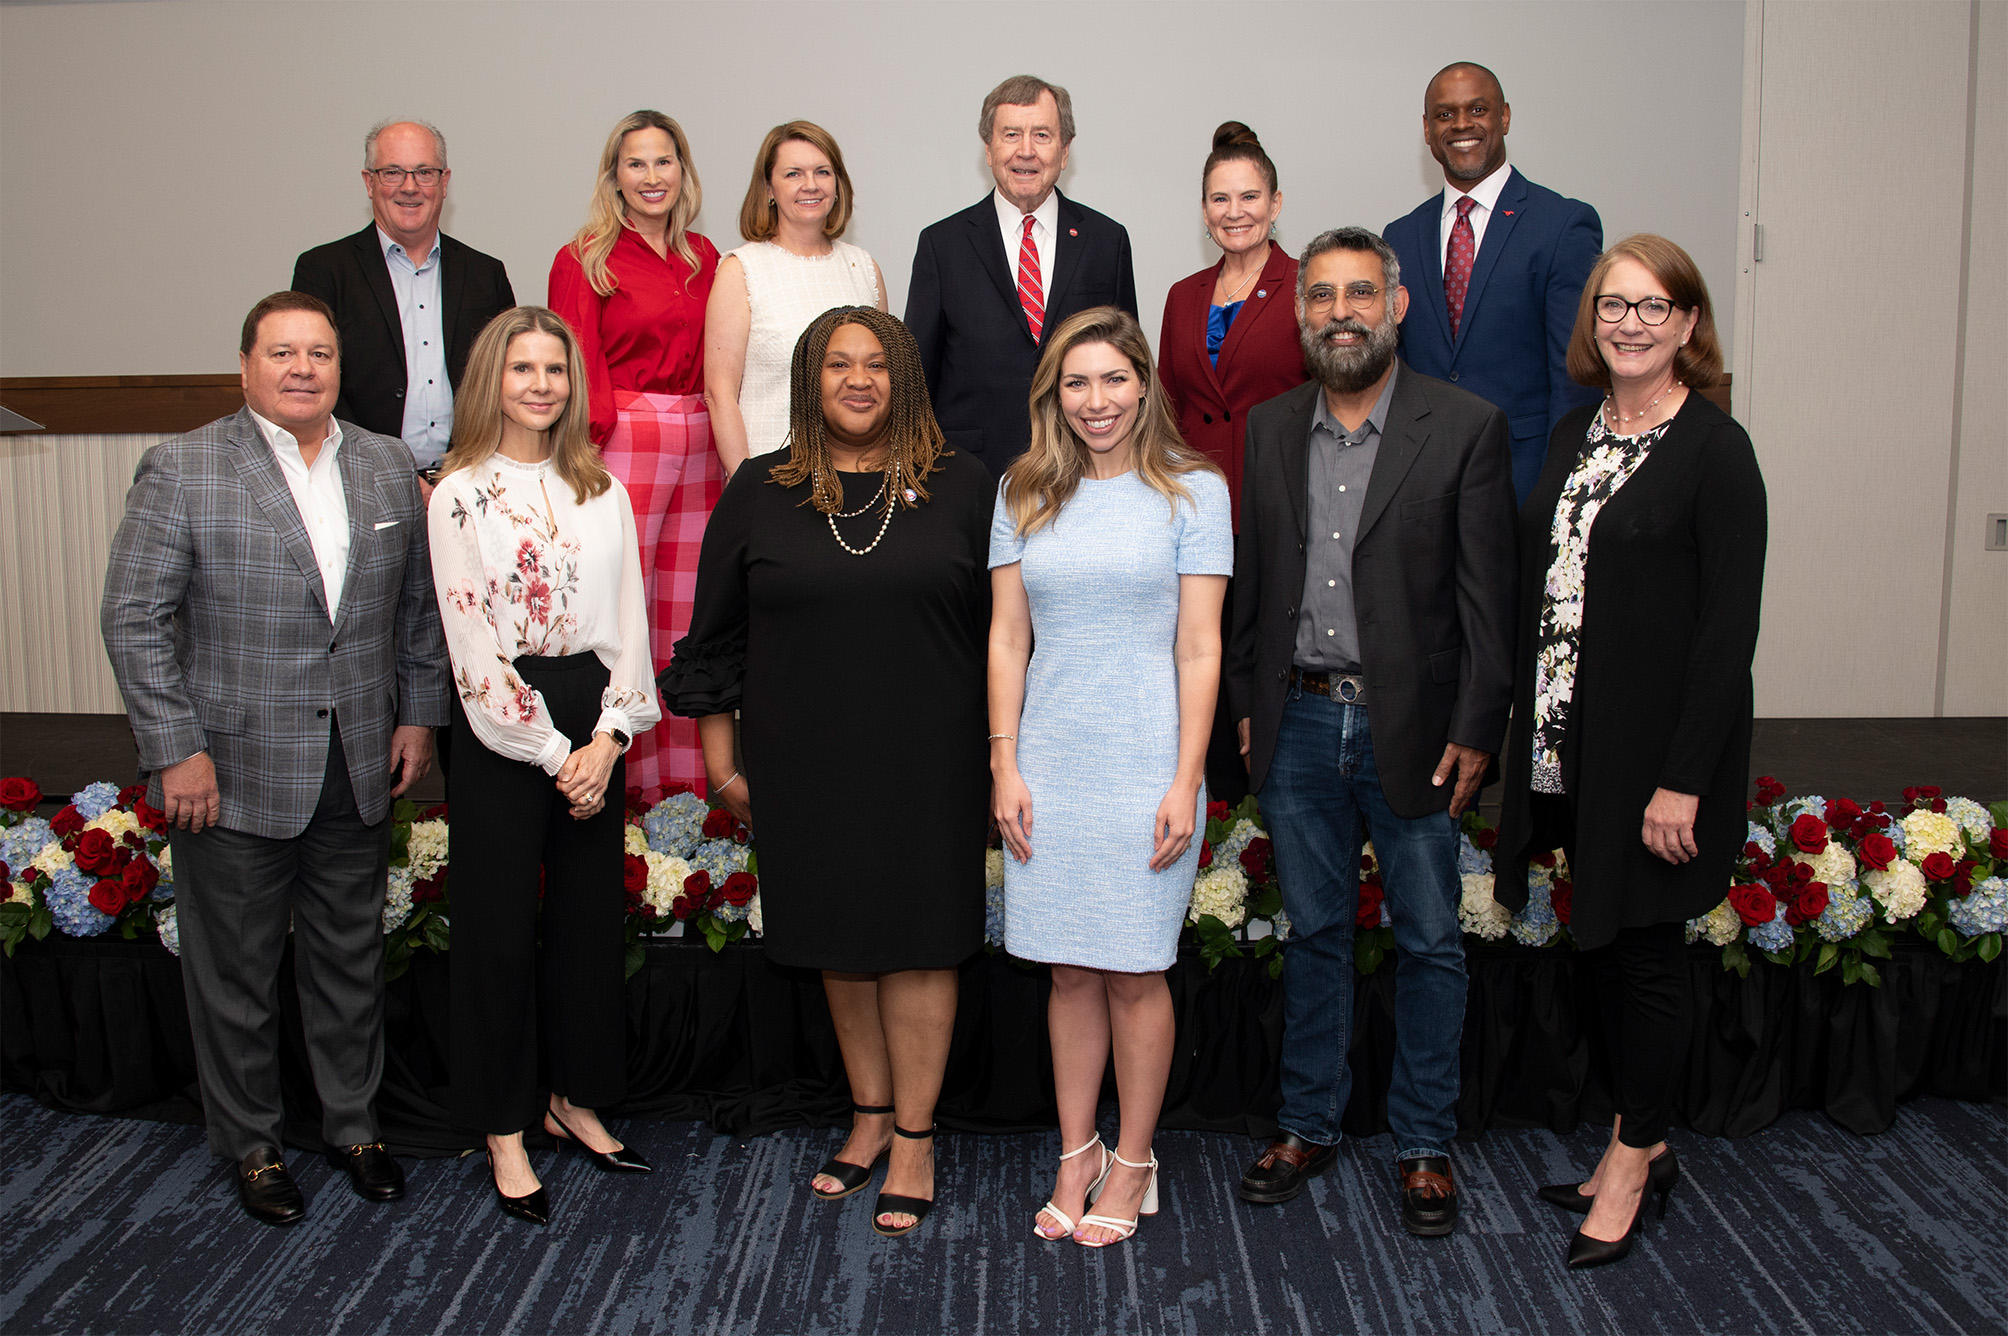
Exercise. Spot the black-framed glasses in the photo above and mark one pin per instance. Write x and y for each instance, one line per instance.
(394, 176)
(1651, 310)
(1359, 296)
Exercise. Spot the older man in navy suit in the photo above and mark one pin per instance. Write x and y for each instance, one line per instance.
(1497, 265)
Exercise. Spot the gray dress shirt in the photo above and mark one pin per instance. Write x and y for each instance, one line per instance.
(1328, 637)
(428, 395)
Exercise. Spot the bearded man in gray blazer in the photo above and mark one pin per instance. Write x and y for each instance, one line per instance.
(1370, 667)
(270, 619)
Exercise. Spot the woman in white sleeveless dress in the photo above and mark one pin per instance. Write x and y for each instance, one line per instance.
(791, 270)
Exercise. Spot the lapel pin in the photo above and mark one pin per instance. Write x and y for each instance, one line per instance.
(1507, 214)
(910, 495)
(1073, 231)
(1261, 292)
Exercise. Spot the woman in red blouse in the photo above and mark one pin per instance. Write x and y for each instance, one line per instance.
(633, 284)
(1229, 342)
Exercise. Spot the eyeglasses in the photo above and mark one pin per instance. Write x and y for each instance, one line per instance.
(1359, 296)
(394, 176)
(1651, 310)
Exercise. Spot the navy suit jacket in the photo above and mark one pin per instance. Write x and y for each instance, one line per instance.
(975, 345)
(1512, 345)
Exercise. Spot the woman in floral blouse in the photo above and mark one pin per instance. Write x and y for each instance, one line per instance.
(1642, 568)
(540, 590)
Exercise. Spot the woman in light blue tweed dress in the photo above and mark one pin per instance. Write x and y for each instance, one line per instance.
(1110, 549)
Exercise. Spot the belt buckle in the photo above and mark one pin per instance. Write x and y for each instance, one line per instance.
(1346, 687)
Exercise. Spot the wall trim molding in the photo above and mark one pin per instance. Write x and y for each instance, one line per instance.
(121, 405)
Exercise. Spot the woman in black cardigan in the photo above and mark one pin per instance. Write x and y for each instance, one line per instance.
(1630, 742)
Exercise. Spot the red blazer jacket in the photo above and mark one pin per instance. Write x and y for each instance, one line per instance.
(1260, 359)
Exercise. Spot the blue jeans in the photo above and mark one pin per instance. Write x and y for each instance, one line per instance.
(1321, 783)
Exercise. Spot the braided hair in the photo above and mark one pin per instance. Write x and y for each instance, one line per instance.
(912, 437)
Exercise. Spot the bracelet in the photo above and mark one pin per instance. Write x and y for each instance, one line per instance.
(994, 736)
(727, 784)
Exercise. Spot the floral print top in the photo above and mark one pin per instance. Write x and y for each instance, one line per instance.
(1607, 461)
(521, 567)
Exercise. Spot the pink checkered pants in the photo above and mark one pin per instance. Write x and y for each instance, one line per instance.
(661, 451)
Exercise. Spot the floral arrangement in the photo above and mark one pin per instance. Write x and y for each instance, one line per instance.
(100, 863)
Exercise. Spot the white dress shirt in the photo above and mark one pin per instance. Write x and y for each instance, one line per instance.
(1045, 233)
(428, 393)
(1486, 194)
(317, 494)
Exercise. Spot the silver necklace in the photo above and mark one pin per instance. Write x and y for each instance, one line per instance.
(1611, 406)
(834, 516)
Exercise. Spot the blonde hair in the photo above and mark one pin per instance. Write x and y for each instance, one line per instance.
(477, 408)
(606, 212)
(760, 216)
(1043, 479)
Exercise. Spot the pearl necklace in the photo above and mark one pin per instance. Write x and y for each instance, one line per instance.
(1611, 406)
(834, 516)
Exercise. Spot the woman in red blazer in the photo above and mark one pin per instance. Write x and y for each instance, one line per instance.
(1229, 342)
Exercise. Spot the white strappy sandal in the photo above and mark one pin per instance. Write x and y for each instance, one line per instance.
(1124, 1228)
(1094, 1190)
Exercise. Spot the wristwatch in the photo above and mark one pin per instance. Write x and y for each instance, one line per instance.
(621, 739)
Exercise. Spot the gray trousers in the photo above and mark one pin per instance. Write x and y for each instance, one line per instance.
(235, 897)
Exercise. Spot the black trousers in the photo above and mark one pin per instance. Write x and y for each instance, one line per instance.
(538, 908)
(236, 896)
(1641, 985)
(1226, 769)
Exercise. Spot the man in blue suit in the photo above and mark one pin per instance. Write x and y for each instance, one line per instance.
(1499, 266)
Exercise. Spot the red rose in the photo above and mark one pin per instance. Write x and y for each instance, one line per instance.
(1938, 806)
(1962, 876)
(1940, 867)
(150, 816)
(1486, 838)
(1563, 897)
(1997, 844)
(1878, 851)
(67, 822)
(1808, 905)
(683, 906)
(434, 888)
(739, 888)
(6, 874)
(1769, 790)
(1810, 833)
(698, 885)
(674, 787)
(1753, 904)
(1840, 811)
(1217, 811)
(433, 813)
(1777, 876)
(1366, 864)
(1256, 857)
(1368, 914)
(741, 835)
(96, 852)
(19, 794)
(633, 805)
(108, 897)
(131, 794)
(717, 824)
(634, 874)
(1205, 854)
(139, 879)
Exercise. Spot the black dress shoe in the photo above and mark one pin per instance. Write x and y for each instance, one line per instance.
(372, 1172)
(1428, 1196)
(622, 1161)
(1288, 1164)
(266, 1190)
(534, 1207)
(1665, 1173)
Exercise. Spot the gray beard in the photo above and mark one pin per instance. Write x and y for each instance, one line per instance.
(1349, 370)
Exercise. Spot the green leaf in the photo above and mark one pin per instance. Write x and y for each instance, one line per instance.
(1851, 969)
(1248, 810)
(394, 969)
(13, 912)
(1948, 942)
(1267, 902)
(713, 930)
(1216, 941)
(436, 933)
(1989, 946)
(752, 862)
(1871, 975)
(404, 811)
(1779, 957)
(1874, 942)
(129, 928)
(1264, 946)
(1276, 966)
(1929, 921)
(1999, 811)
(635, 956)
(40, 923)
(1367, 953)
(400, 845)
(1829, 953)
(1734, 957)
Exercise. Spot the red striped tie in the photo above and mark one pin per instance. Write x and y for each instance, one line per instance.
(1030, 294)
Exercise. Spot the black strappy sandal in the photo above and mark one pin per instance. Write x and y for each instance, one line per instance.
(852, 1176)
(891, 1202)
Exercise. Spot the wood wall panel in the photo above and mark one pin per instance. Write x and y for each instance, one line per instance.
(121, 405)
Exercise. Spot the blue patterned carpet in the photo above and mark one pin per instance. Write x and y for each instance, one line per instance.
(124, 1226)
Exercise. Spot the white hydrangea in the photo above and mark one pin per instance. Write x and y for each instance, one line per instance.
(164, 860)
(52, 859)
(1718, 927)
(754, 921)
(427, 848)
(636, 840)
(1369, 860)
(17, 893)
(1478, 912)
(1833, 865)
(1762, 838)
(1971, 817)
(665, 882)
(1222, 891)
(1282, 925)
(397, 899)
(168, 924)
(993, 869)
(115, 823)
(1899, 888)
(1926, 833)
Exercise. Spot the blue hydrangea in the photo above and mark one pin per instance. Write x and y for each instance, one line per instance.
(1243, 834)
(94, 800)
(69, 900)
(1536, 925)
(1972, 818)
(168, 924)
(727, 912)
(1773, 936)
(1471, 858)
(1846, 914)
(675, 826)
(19, 844)
(721, 858)
(1984, 909)
(993, 916)
(1283, 925)
(1793, 808)
(1762, 838)
(162, 890)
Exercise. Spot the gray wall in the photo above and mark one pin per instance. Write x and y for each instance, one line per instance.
(164, 162)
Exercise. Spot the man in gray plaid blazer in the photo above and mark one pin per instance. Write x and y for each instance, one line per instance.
(270, 619)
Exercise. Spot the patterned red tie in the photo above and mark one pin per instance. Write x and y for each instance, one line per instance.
(1030, 294)
(1457, 264)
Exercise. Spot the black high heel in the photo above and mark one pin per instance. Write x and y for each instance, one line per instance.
(1585, 1252)
(890, 1203)
(1663, 1175)
(622, 1161)
(535, 1208)
(852, 1176)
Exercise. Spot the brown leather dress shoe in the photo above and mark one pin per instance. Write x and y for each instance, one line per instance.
(266, 1190)
(372, 1172)
(1428, 1196)
(1284, 1168)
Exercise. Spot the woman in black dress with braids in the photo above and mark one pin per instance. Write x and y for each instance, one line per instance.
(843, 607)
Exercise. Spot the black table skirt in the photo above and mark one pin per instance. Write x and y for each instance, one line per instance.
(746, 1046)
